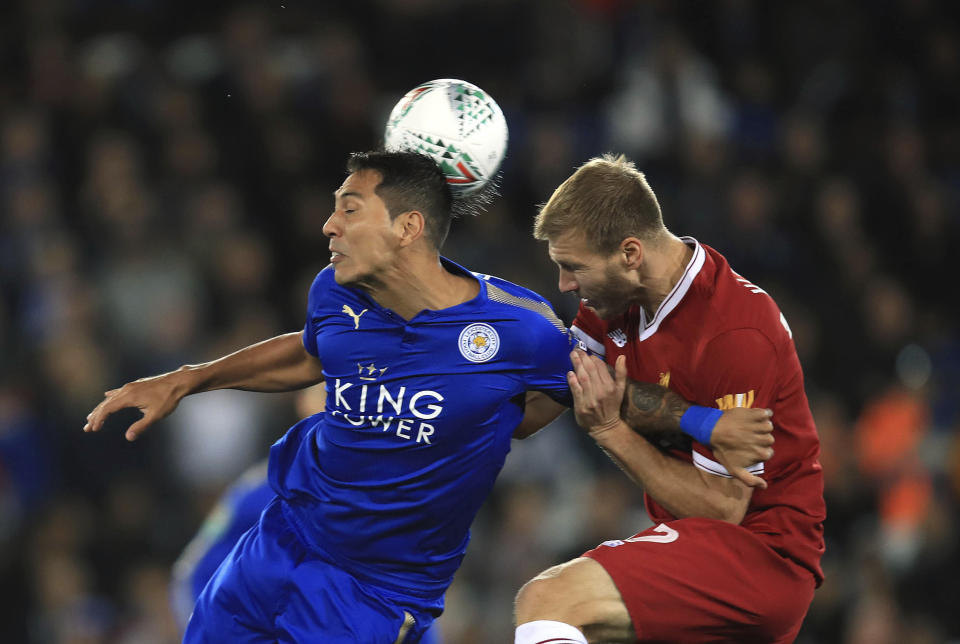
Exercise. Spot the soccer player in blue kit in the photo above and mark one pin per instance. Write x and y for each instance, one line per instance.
(427, 369)
(237, 511)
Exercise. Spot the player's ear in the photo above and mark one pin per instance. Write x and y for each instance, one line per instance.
(631, 250)
(411, 226)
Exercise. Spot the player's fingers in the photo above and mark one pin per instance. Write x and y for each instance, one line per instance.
(598, 373)
(585, 375)
(765, 440)
(576, 358)
(86, 426)
(761, 454)
(114, 401)
(620, 370)
(765, 424)
(600, 368)
(745, 477)
(574, 383)
(751, 480)
(94, 419)
(103, 411)
(137, 428)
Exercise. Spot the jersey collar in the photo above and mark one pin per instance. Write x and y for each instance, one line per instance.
(649, 327)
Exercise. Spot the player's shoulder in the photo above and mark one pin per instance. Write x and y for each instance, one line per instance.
(323, 281)
(519, 301)
(325, 285)
(738, 302)
(510, 289)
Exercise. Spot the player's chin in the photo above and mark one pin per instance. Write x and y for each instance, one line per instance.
(353, 278)
(342, 276)
(602, 311)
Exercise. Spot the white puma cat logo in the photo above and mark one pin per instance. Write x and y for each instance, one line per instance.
(355, 316)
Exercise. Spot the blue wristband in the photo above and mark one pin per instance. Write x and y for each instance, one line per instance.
(698, 422)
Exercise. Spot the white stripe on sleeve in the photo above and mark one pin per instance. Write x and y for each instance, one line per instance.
(711, 466)
(585, 339)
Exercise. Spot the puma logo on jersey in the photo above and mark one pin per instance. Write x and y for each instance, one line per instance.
(736, 400)
(618, 336)
(356, 316)
(664, 379)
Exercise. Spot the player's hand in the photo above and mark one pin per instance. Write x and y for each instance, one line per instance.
(597, 394)
(155, 397)
(743, 437)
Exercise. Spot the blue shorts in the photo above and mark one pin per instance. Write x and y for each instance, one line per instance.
(270, 588)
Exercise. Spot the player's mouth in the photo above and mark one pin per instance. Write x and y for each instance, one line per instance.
(336, 256)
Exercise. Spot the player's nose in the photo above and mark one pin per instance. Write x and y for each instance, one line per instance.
(331, 227)
(567, 283)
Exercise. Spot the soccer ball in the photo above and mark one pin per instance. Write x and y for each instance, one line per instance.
(456, 123)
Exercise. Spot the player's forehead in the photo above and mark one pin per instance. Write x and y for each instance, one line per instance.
(361, 184)
(570, 247)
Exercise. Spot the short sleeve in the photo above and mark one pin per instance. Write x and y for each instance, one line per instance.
(588, 329)
(309, 327)
(735, 369)
(551, 362)
(738, 368)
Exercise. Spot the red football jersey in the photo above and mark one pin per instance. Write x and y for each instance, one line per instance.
(720, 341)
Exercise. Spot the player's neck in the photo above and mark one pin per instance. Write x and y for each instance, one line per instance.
(663, 270)
(422, 283)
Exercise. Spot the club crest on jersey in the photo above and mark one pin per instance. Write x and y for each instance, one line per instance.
(479, 342)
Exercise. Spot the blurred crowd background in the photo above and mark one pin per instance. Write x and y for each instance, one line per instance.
(166, 168)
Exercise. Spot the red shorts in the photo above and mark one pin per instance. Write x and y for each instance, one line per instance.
(702, 580)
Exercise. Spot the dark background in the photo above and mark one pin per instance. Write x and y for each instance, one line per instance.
(166, 167)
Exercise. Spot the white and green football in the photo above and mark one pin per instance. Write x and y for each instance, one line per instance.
(456, 123)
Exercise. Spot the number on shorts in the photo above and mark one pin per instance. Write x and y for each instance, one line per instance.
(665, 534)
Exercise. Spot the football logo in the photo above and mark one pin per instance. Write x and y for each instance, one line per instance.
(371, 371)
(479, 342)
(356, 316)
(619, 337)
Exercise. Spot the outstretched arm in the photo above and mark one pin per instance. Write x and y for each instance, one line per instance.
(277, 364)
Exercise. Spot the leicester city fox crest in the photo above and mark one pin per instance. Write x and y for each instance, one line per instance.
(479, 342)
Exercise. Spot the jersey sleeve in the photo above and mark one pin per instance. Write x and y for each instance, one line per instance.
(551, 362)
(737, 368)
(588, 329)
(314, 297)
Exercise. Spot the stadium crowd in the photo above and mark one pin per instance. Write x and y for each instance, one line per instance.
(166, 168)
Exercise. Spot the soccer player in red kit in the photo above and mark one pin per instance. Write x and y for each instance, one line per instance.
(724, 562)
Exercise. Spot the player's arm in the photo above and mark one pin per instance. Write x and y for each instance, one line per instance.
(540, 411)
(678, 486)
(278, 364)
(739, 438)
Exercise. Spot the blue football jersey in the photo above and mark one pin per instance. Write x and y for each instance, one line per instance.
(419, 418)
